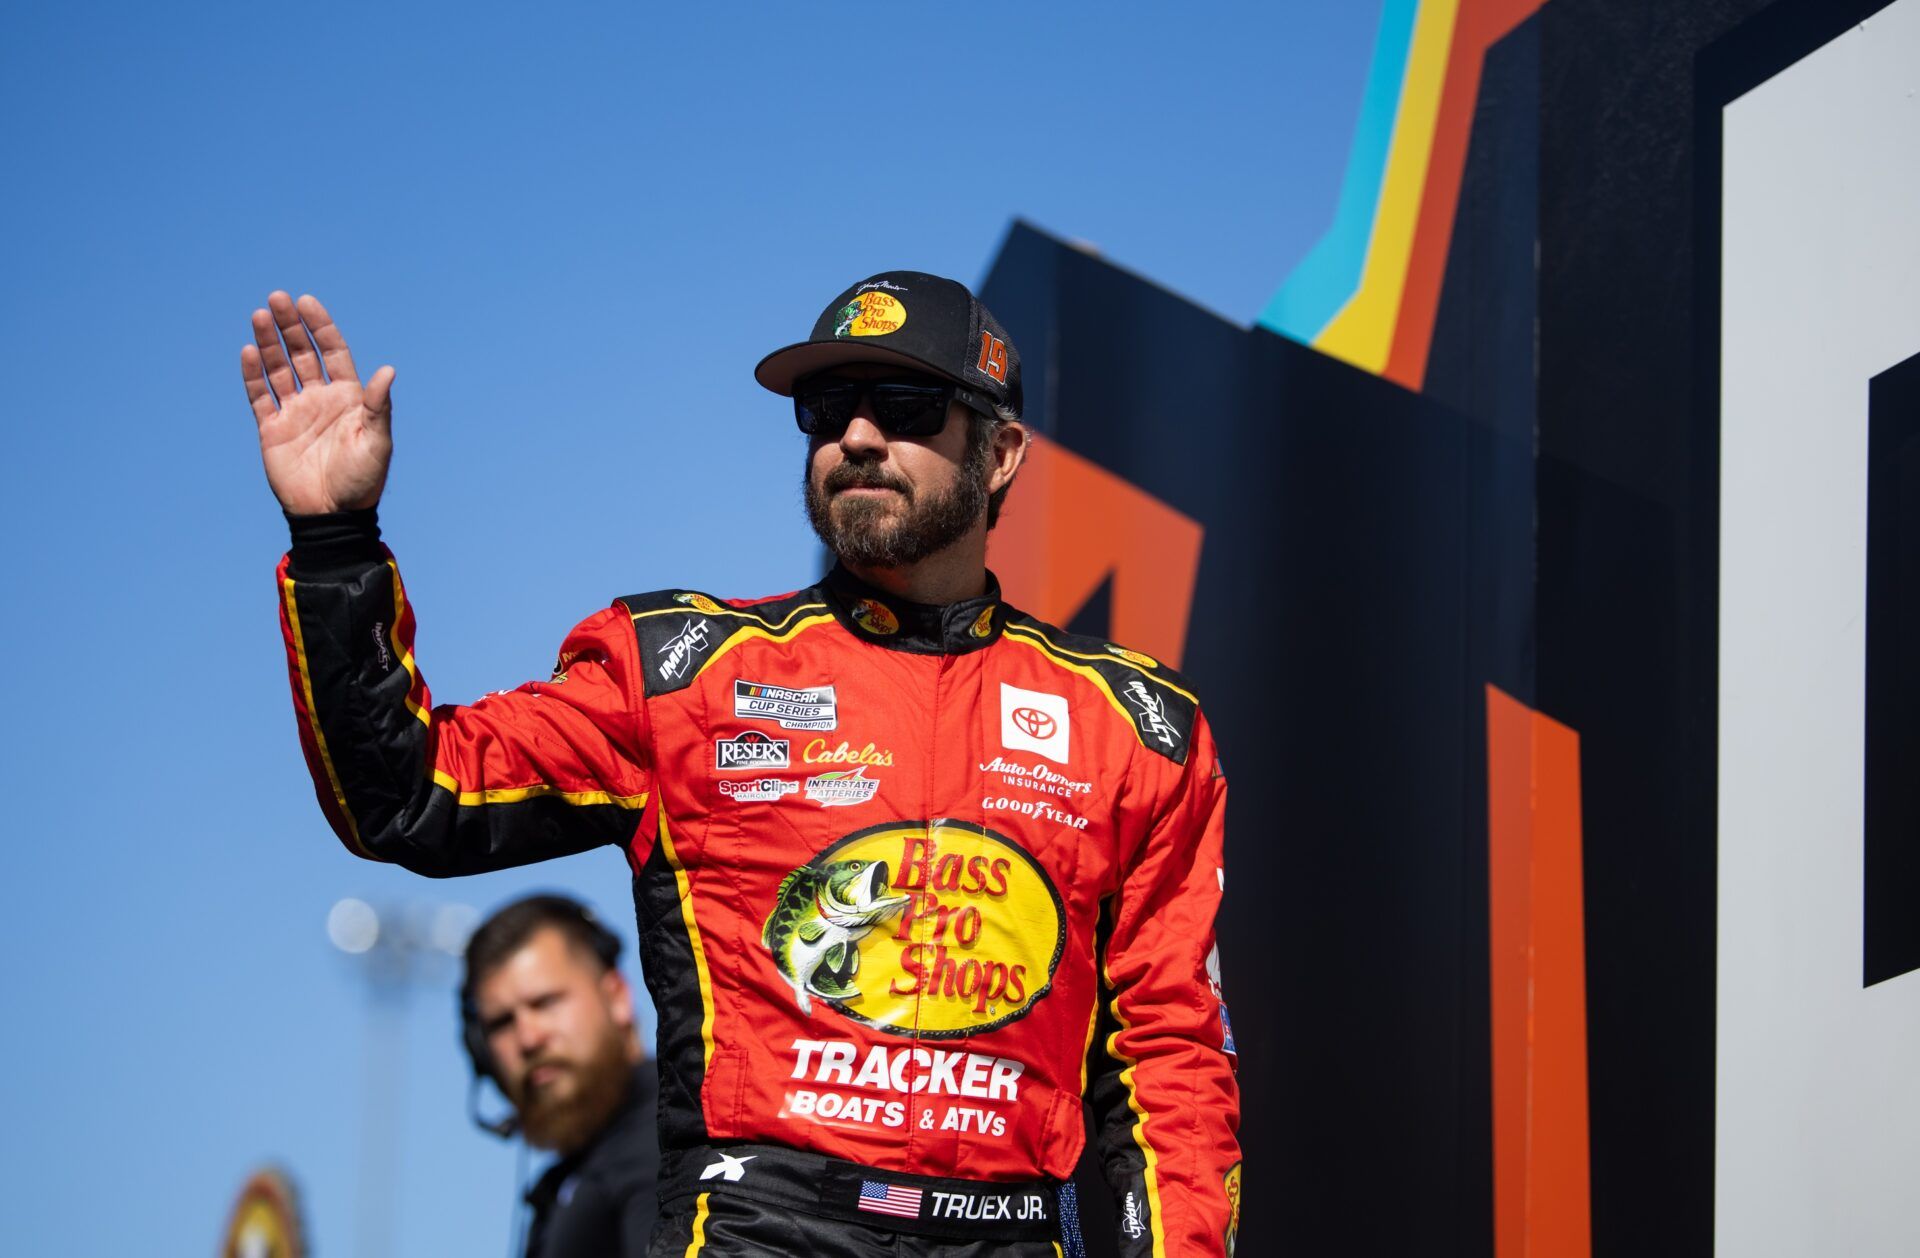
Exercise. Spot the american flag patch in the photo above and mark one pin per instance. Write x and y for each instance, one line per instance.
(889, 1199)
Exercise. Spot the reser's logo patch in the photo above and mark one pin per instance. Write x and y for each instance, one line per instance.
(750, 750)
(813, 707)
(872, 313)
(936, 929)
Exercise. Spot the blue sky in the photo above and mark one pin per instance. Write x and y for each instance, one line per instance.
(573, 229)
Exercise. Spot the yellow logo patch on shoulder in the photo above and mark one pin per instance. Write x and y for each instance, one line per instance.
(937, 930)
(699, 602)
(872, 313)
(875, 617)
(983, 624)
(1135, 657)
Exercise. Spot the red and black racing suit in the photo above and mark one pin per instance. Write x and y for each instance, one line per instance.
(910, 882)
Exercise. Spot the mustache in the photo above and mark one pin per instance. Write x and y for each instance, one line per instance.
(863, 476)
(546, 1059)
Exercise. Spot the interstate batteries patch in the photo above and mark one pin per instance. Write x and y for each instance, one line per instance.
(933, 929)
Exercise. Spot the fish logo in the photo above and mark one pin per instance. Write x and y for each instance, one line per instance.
(871, 313)
(818, 919)
(875, 617)
(935, 930)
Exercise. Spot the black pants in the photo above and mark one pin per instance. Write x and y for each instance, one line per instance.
(718, 1226)
(764, 1201)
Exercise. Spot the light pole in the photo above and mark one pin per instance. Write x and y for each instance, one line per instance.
(398, 949)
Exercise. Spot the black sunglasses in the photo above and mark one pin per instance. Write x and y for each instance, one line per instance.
(823, 406)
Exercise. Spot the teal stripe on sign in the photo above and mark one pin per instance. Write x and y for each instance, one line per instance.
(1329, 275)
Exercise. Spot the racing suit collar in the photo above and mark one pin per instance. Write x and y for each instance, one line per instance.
(875, 616)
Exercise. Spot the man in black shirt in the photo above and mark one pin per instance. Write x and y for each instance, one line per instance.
(547, 1015)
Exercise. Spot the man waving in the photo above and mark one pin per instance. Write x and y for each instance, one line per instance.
(914, 872)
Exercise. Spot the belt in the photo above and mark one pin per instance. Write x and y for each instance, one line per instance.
(923, 1205)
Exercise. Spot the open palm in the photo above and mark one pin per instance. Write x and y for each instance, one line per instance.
(325, 438)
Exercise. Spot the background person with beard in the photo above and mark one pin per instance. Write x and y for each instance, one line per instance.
(547, 1015)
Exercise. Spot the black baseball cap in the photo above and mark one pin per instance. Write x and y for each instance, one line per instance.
(911, 319)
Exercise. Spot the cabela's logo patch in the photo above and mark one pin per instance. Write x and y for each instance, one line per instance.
(872, 313)
(1135, 657)
(936, 929)
(875, 617)
(818, 752)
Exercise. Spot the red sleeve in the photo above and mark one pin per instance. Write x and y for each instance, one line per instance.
(1167, 1101)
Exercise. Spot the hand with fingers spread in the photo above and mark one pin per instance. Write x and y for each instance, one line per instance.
(326, 439)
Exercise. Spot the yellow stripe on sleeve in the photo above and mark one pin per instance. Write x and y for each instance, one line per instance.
(313, 718)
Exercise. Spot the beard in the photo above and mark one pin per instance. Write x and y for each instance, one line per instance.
(567, 1111)
(875, 533)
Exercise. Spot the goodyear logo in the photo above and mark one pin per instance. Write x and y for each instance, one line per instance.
(872, 313)
(937, 929)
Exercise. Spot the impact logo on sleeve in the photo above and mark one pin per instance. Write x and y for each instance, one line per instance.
(1153, 713)
(750, 750)
(683, 648)
(1033, 720)
(813, 707)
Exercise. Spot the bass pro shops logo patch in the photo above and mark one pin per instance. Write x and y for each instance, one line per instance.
(872, 313)
(938, 929)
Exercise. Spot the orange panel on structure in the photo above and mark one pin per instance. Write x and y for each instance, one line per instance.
(1070, 524)
(1537, 930)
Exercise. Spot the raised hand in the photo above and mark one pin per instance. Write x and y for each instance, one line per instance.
(326, 439)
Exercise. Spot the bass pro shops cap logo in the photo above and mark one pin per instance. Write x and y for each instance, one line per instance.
(872, 313)
(937, 929)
